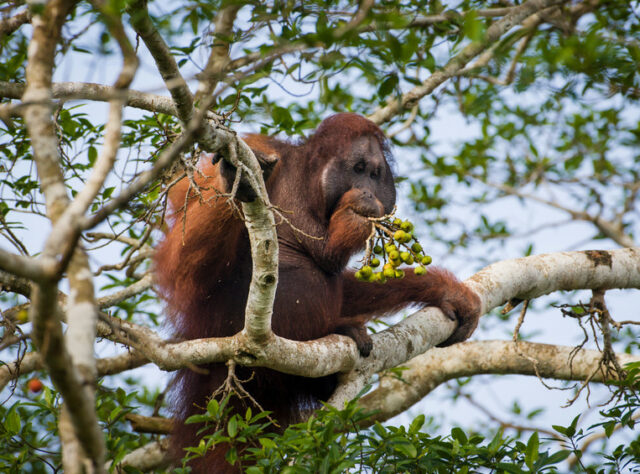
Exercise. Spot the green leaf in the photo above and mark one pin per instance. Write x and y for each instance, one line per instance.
(560, 456)
(408, 449)
(531, 454)
(106, 194)
(416, 424)
(232, 427)
(232, 455)
(571, 430)
(473, 27)
(92, 154)
(12, 421)
(387, 85)
(458, 435)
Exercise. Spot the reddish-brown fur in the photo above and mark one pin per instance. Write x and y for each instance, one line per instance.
(204, 268)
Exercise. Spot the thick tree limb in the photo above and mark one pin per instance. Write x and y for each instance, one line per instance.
(74, 457)
(264, 275)
(73, 371)
(435, 367)
(466, 359)
(102, 93)
(530, 277)
(523, 278)
(519, 278)
(147, 458)
(16, 284)
(258, 216)
(26, 267)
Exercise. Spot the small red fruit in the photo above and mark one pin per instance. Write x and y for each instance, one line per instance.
(35, 385)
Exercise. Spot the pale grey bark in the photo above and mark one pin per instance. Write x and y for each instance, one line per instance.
(438, 365)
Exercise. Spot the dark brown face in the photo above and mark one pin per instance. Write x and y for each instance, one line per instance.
(363, 168)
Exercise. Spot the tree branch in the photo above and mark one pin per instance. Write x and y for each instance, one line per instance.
(107, 158)
(356, 20)
(150, 457)
(612, 230)
(526, 277)
(218, 138)
(26, 267)
(218, 61)
(32, 361)
(10, 282)
(529, 277)
(455, 64)
(466, 359)
(523, 278)
(102, 93)
(73, 372)
(163, 58)
(11, 24)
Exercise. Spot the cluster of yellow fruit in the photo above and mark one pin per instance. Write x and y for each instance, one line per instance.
(390, 245)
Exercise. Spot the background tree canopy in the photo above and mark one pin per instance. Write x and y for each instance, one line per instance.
(515, 128)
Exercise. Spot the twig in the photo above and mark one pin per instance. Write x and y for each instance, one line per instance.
(11, 24)
(506, 424)
(163, 58)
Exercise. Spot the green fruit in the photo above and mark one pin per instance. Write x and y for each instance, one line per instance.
(416, 247)
(359, 275)
(397, 222)
(420, 270)
(390, 248)
(375, 262)
(409, 261)
(394, 255)
(400, 235)
(22, 316)
(366, 271)
(399, 274)
(377, 250)
(389, 272)
(406, 226)
(379, 277)
(426, 260)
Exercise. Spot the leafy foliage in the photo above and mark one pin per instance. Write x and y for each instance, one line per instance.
(330, 442)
